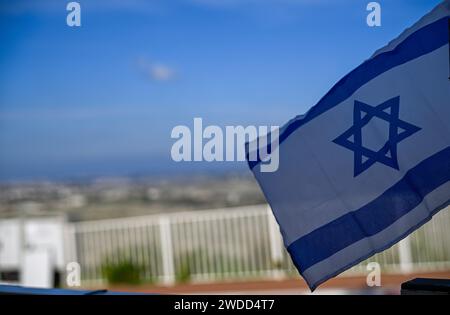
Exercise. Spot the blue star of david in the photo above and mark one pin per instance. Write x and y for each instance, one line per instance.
(398, 131)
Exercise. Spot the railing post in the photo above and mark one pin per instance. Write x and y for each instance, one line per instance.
(167, 251)
(70, 245)
(405, 256)
(276, 244)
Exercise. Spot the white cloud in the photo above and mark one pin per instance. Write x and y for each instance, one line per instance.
(161, 72)
(156, 71)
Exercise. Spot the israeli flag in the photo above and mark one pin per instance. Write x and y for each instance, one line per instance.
(370, 162)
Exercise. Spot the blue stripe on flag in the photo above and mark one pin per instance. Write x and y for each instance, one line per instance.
(367, 221)
(419, 43)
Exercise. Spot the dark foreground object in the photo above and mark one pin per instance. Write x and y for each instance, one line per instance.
(18, 290)
(426, 286)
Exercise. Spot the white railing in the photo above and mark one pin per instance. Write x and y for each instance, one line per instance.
(214, 245)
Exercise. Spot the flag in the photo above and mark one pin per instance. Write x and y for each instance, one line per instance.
(370, 162)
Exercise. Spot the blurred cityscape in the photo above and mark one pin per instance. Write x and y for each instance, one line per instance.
(104, 198)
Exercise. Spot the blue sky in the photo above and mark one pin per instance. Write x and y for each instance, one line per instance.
(102, 99)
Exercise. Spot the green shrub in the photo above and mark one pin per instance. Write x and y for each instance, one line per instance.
(123, 272)
(183, 274)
